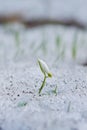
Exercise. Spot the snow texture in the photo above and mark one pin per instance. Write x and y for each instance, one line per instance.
(21, 107)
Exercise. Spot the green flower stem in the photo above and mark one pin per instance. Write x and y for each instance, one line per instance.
(43, 84)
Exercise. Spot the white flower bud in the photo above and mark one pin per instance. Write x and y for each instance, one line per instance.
(44, 68)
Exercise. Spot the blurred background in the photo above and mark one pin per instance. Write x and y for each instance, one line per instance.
(28, 28)
(34, 12)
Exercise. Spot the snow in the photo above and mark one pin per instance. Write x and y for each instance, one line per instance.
(21, 78)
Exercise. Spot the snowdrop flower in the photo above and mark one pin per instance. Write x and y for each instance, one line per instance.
(45, 70)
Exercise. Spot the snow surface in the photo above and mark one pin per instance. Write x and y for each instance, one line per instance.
(20, 79)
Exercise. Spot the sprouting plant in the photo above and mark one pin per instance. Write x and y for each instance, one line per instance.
(74, 46)
(60, 47)
(55, 91)
(69, 106)
(63, 52)
(41, 47)
(58, 41)
(22, 104)
(45, 70)
(17, 39)
(19, 50)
